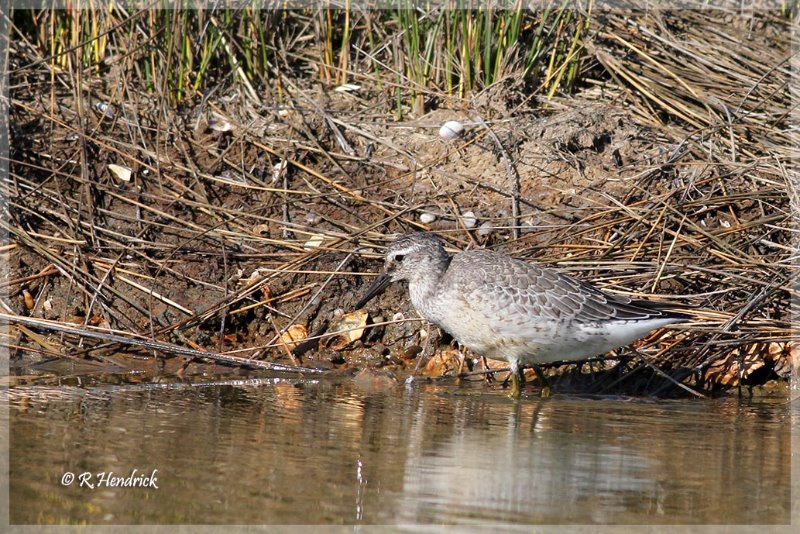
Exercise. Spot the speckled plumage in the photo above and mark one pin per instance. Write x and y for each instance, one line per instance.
(511, 310)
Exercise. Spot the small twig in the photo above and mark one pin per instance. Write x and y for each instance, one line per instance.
(512, 173)
(282, 343)
(662, 374)
(125, 338)
(152, 292)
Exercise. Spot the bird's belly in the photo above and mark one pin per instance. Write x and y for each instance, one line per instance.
(539, 342)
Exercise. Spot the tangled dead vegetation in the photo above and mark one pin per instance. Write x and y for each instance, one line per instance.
(240, 232)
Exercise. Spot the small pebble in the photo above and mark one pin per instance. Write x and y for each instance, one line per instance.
(485, 229)
(312, 218)
(528, 226)
(451, 130)
(411, 352)
(427, 218)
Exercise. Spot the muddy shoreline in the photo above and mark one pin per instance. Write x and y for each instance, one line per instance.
(243, 228)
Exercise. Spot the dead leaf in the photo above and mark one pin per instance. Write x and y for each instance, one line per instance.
(294, 335)
(741, 362)
(351, 326)
(28, 298)
(261, 230)
(444, 362)
(99, 321)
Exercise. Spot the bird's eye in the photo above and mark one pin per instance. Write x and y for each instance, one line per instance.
(399, 258)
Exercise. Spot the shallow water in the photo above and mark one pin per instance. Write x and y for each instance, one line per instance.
(284, 452)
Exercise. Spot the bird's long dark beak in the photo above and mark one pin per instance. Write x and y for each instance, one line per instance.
(375, 289)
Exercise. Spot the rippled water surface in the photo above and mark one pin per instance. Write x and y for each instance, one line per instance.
(276, 452)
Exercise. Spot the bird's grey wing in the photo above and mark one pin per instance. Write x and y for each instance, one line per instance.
(500, 284)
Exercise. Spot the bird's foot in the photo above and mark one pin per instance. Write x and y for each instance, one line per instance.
(514, 392)
(517, 381)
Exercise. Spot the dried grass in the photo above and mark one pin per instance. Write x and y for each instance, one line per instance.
(168, 256)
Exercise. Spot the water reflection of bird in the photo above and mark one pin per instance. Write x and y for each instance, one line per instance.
(511, 310)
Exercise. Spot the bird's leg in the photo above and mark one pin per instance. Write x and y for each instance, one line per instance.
(461, 357)
(487, 376)
(543, 382)
(425, 355)
(517, 380)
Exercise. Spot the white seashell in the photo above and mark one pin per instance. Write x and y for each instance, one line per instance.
(347, 87)
(218, 123)
(426, 218)
(123, 173)
(278, 169)
(469, 219)
(451, 130)
(105, 109)
(220, 126)
(255, 276)
(314, 242)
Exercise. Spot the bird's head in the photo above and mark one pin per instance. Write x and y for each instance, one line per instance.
(410, 257)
